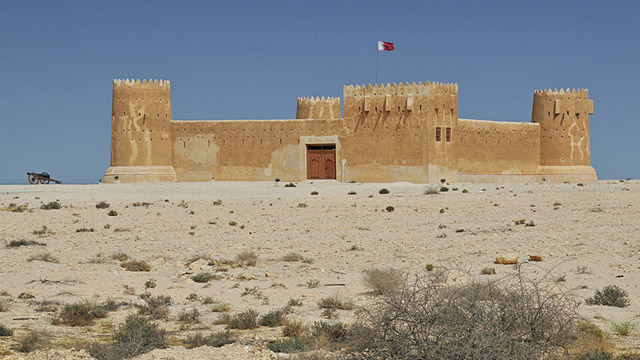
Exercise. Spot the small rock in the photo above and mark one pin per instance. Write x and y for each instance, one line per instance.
(535, 258)
(198, 265)
(488, 271)
(509, 259)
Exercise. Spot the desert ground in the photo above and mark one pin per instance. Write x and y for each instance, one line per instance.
(586, 234)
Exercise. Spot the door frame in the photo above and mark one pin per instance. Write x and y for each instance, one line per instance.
(327, 147)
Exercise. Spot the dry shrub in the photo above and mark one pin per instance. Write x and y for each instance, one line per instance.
(381, 281)
(292, 257)
(512, 319)
(4, 305)
(119, 256)
(294, 328)
(155, 306)
(46, 257)
(189, 317)
(274, 318)
(610, 295)
(33, 340)
(5, 331)
(217, 339)
(102, 205)
(432, 189)
(136, 265)
(136, 336)
(590, 339)
(335, 301)
(241, 321)
(23, 242)
(54, 205)
(247, 258)
(80, 314)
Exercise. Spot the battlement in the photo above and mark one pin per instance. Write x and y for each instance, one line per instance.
(573, 94)
(400, 89)
(318, 108)
(164, 84)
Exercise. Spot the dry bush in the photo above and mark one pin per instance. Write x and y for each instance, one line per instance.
(22, 242)
(623, 328)
(80, 314)
(217, 339)
(241, 321)
(33, 340)
(155, 307)
(512, 319)
(323, 336)
(432, 189)
(221, 307)
(102, 205)
(247, 258)
(138, 335)
(119, 256)
(189, 317)
(274, 318)
(5, 331)
(136, 265)
(46, 257)
(4, 305)
(610, 295)
(54, 205)
(292, 256)
(205, 277)
(335, 301)
(381, 281)
(294, 328)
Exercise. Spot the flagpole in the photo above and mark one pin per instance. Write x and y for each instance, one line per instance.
(377, 60)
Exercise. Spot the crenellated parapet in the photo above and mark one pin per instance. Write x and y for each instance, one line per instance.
(144, 83)
(318, 108)
(563, 116)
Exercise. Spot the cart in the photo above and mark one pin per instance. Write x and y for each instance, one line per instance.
(42, 178)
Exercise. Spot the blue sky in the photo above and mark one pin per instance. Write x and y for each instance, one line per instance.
(252, 59)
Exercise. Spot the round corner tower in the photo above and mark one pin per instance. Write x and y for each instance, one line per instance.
(140, 132)
(564, 131)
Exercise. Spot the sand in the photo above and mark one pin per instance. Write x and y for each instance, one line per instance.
(586, 234)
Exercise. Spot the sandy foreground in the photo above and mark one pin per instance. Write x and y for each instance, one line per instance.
(588, 234)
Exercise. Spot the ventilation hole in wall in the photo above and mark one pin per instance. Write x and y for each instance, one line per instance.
(376, 109)
(260, 141)
(124, 113)
(209, 143)
(280, 141)
(298, 142)
(242, 141)
(438, 134)
(224, 142)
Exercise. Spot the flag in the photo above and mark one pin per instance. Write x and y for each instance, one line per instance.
(385, 46)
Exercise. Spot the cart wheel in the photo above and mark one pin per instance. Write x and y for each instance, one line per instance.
(33, 179)
(45, 181)
(42, 180)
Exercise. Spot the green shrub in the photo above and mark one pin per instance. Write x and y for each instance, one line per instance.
(335, 302)
(610, 295)
(5, 331)
(383, 191)
(54, 205)
(351, 193)
(217, 339)
(331, 332)
(464, 191)
(136, 336)
(119, 256)
(623, 328)
(444, 189)
(428, 267)
(221, 307)
(241, 321)
(294, 344)
(273, 318)
(290, 185)
(314, 193)
(189, 317)
(136, 265)
(80, 314)
(112, 213)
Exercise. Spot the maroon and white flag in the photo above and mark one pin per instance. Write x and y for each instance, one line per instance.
(385, 46)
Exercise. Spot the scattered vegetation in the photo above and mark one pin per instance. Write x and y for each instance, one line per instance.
(119, 256)
(33, 340)
(221, 307)
(290, 185)
(85, 230)
(233, 223)
(428, 267)
(623, 328)
(381, 281)
(155, 307)
(294, 302)
(432, 189)
(4, 305)
(335, 302)
(102, 205)
(351, 193)
(444, 189)
(150, 284)
(46, 257)
(189, 317)
(274, 318)
(215, 339)
(247, 258)
(241, 321)
(23, 242)
(294, 328)
(42, 231)
(314, 193)
(313, 283)
(5, 331)
(383, 191)
(323, 335)
(513, 319)
(138, 335)
(390, 208)
(610, 295)
(53, 205)
(112, 213)
(80, 314)
(136, 265)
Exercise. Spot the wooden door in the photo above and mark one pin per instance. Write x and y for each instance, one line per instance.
(321, 162)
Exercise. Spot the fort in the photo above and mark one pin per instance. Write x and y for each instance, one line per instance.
(385, 133)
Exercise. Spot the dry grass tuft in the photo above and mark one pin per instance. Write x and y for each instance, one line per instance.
(335, 301)
(46, 257)
(381, 281)
(136, 265)
(247, 258)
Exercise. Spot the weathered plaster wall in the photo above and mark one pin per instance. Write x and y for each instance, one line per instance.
(495, 147)
(140, 133)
